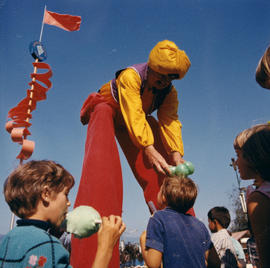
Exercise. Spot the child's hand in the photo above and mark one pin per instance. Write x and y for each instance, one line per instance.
(110, 231)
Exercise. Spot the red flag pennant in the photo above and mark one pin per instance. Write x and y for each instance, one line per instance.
(63, 21)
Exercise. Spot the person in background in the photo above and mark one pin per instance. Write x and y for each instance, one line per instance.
(252, 253)
(252, 147)
(241, 259)
(37, 192)
(218, 221)
(173, 237)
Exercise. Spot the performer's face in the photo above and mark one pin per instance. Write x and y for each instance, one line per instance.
(157, 80)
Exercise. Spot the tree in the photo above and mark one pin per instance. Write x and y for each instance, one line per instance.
(237, 197)
(240, 221)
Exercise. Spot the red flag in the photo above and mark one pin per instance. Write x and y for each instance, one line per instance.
(63, 21)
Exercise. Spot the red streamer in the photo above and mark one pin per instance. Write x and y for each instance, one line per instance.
(19, 116)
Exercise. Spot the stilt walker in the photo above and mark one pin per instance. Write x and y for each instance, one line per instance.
(121, 109)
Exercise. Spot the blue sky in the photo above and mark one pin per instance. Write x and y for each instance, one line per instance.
(218, 97)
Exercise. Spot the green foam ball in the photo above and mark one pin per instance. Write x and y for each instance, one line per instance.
(83, 221)
(190, 167)
(172, 169)
(181, 170)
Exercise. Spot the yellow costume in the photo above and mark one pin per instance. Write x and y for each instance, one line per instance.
(134, 108)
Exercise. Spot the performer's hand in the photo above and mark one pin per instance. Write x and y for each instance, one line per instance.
(110, 231)
(176, 158)
(156, 160)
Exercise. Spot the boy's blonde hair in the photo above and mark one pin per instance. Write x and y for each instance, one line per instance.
(24, 186)
(254, 143)
(180, 193)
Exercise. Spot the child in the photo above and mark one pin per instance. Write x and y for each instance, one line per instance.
(252, 147)
(177, 239)
(37, 192)
(219, 219)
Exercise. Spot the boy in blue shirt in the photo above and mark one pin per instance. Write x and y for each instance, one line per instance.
(174, 237)
(37, 192)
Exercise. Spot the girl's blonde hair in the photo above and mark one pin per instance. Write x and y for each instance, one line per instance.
(254, 143)
(263, 70)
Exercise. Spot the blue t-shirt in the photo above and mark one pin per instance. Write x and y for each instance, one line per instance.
(182, 239)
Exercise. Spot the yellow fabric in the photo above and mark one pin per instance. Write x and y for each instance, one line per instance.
(134, 108)
(105, 91)
(128, 84)
(169, 124)
(167, 58)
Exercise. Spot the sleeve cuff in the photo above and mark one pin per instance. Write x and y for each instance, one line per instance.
(154, 245)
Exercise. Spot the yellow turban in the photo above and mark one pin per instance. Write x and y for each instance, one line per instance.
(167, 58)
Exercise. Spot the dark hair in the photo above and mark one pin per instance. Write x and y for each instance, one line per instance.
(263, 70)
(180, 193)
(24, 186)
(221, 214)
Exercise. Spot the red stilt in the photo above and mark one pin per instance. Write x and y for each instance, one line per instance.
(101, 182)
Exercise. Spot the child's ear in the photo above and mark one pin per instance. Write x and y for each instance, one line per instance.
(45, 195)
(164, 200)
(217, 224)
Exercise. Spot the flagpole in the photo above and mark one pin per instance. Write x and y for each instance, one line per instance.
(42, 25)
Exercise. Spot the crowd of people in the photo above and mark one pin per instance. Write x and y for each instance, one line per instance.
(37, 191)
(130, 255)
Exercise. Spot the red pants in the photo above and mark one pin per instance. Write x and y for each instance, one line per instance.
(101, 182)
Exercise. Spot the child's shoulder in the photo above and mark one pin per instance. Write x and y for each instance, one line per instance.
(170, 212)
(29, 232)
(26, 245)
(21, 239)
(221, 235)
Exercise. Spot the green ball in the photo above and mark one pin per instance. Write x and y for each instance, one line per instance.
(172, 169)
(190, 167)
(81, 221)
(181, 170)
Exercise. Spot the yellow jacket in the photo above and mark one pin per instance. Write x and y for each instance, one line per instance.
(134, 108)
